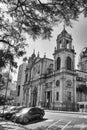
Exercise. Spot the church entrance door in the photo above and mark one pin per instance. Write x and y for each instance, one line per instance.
(49, 97)
(34, 97)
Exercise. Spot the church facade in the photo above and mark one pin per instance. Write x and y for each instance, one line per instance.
(55, 83)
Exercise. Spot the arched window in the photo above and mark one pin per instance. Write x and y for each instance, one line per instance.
(67, 46)
(26, 77)
(69, 63)
(57, 83)
(60, 45)
(18, 90)
(58, 63)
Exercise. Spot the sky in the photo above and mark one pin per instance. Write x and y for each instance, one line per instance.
(79, 36)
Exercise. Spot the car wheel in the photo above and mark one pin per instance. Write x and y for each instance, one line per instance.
(25, 120)
(41, 116)
(19, 120)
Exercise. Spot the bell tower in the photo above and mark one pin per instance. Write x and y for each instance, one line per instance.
(64, 66)
(64, 53)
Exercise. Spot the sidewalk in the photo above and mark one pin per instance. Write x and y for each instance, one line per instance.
(8, 125)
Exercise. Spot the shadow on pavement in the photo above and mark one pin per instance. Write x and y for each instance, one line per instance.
(36, 121)
(6, 125)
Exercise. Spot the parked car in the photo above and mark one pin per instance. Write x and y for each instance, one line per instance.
(27, 114)
(4, 106)
(6, 109)
(9, 114)
(1, 107)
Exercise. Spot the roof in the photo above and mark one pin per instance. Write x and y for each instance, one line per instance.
(64, 33)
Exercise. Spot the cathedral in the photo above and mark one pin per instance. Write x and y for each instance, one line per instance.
(55, 83)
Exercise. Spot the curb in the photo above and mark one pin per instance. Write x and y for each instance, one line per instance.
(21, 126)
(67, 112)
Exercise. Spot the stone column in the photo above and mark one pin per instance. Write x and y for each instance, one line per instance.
(42, 100)
(62, 90)
(31, 102)
(74, 93)
(53, 94)
(29, 97)
(38, 96)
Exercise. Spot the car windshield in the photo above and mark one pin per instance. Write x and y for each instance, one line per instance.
(23, 111)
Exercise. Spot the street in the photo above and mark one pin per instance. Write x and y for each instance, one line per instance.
(53, 120)
(60, 121)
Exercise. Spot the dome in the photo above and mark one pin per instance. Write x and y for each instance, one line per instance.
(84, 52)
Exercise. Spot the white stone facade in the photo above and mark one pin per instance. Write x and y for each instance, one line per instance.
(20, 83)
(54, 83)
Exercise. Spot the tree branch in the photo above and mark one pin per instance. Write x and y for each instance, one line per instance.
(6, 42)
